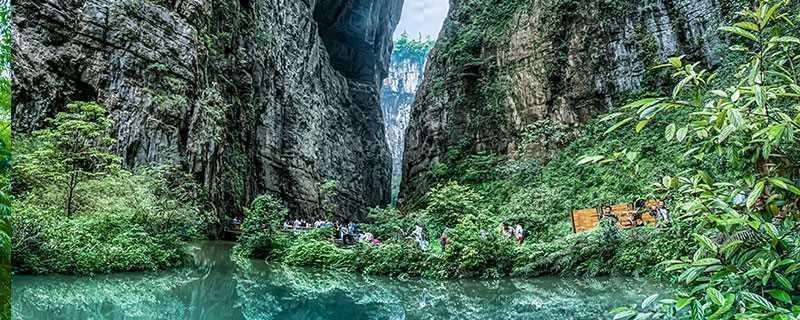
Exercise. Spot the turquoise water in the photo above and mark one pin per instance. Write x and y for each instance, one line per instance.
(217, 288)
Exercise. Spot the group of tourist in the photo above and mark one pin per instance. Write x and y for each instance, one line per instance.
(298, 224)
(515, 232)
(658, 210)
(346, 233)
(350, 233)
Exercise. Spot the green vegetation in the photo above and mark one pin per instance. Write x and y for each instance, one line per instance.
(77, 211)
(747, 259)
(73, 151)
(5, 164)
(476, 248)
(728, 133)
(729, 166)
(259, 229)
(407, 47)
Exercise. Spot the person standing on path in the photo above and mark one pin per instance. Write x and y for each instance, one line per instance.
(420, 237)
(519, 233)
(443, 239)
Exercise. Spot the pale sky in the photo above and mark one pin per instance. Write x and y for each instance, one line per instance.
(422, 17)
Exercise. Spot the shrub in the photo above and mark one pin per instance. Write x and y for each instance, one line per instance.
(393, 258)
(474, 249)
(122, 226)
(448, 203)
(318, 253)
(388, 223)
(259, 228)
(537, 210)
(582, 254)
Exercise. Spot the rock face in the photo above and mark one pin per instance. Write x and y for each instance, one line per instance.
(249, 96)
(397, 95)
(499, 68)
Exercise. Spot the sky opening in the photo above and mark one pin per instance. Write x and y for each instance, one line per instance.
(422, 18)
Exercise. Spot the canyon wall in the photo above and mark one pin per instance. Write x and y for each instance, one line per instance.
(500, 68)
(249, 96)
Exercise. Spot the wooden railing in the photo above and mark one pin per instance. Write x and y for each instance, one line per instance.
(588, 219)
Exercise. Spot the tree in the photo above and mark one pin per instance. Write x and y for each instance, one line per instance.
(747, 262)
(260, 226)
(448, 203)
(74, 149)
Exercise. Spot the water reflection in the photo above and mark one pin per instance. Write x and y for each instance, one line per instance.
(217, 288)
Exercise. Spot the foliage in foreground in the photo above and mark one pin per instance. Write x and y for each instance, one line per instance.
(747, 264)
(5, 162)
(80, 213)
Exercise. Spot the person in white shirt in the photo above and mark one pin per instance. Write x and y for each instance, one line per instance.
(519, 233)
(419, 236)
(663, 212)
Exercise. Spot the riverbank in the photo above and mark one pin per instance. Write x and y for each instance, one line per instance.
(627, 253)
(215, 287)
(475, 248)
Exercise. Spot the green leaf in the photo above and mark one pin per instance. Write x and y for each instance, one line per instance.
(735, 96)
(740, 32)
(706, 262)
(731, 247)
(780, 295)
(675, 267)
(632, 156)
(720, 93)
(590, 159)
(611, 116)
(715, 296)
(706, 242)
(785, 39)
(758, 300)
(792, 268)
(759, 95)
(669, 132)
(679, 87)
(644, 316)
(747, 25)
(768, 15)
(681, 134)
(725, 133)
(676, 61)
(641, 125)
(783, 281)
(642, 104)
(758, 189)
(683, 302)
(627, 314)
(617, 125)
(785, 185)
(649, 301)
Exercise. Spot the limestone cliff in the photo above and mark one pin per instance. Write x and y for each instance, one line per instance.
(397, 95)
(248, 96)
(501, 67)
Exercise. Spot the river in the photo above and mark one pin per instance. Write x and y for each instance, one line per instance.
(215, 287)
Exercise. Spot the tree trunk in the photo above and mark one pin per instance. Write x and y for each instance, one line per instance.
(73, 181)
